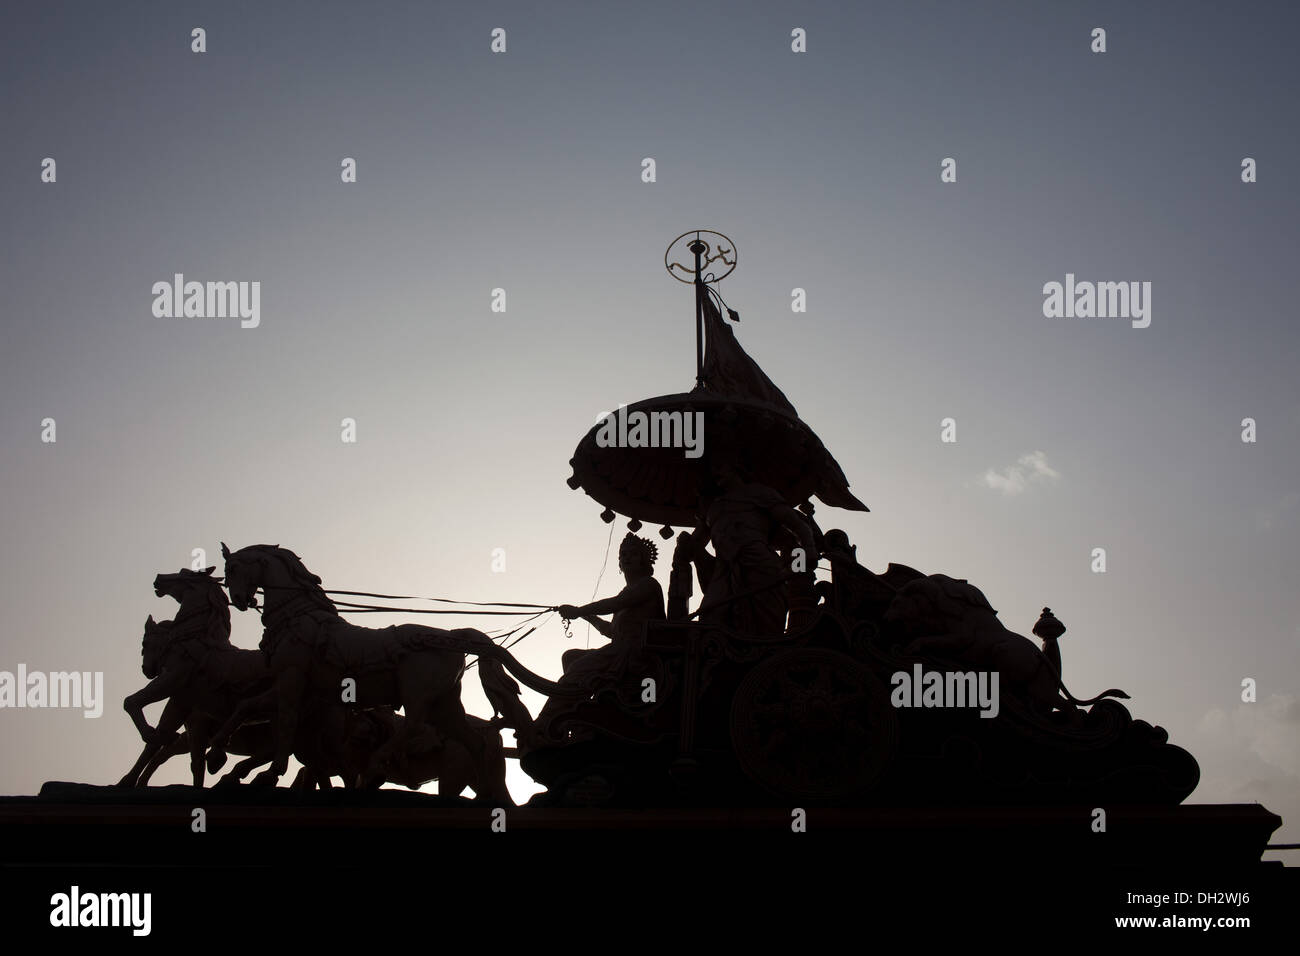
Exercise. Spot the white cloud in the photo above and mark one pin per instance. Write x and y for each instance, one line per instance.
(1270, 730)
(1031, 467)
(1250, 753)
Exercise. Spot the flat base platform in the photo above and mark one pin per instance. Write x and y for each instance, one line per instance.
(410, 854)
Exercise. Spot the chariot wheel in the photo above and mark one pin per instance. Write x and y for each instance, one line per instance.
(813, 723)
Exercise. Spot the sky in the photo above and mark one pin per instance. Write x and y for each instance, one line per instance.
(523, 171)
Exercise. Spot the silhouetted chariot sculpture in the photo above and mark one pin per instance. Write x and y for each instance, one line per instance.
(893, 689)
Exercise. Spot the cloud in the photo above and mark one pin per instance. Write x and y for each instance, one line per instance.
(1031, 467)
(1251, 753)
(1268, 730)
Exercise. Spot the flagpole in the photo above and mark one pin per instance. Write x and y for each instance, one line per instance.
(698, 248)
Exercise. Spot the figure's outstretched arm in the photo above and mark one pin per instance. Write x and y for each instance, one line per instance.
(571, 613)
(636, 593)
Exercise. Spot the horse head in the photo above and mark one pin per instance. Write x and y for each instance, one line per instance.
(277, 571)
(178, 585)
(244, 572)
(157, 638)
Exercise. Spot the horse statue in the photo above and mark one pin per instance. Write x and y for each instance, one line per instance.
(337, 741)
(426, 757)
(311, 649)
(191, 664)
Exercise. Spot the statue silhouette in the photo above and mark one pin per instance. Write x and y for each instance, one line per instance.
(640, 602)
(744, 587)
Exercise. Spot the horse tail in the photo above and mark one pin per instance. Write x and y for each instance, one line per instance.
(472, 641)
(536, 682)
(1113, 692)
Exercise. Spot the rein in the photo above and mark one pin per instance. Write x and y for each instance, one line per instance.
(281, 614)
(355, 608)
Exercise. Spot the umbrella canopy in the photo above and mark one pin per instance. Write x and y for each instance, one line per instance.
(738, 410)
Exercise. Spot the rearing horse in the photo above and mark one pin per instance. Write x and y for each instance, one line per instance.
(311, 649)
(191, 664)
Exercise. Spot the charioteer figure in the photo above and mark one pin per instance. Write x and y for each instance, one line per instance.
(640, 601)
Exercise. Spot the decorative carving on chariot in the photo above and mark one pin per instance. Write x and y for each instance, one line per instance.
(813, 723)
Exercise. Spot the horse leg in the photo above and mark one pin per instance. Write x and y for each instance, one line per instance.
(161, 738)
(487, 761)
(144, 760)
(378, 767)
(315, 769)
(151, 757)
(491, 779)
(240, 770)
(235, 775)
(446, 713)
(160, 688)
(457, 771)
(289, 687)
(198, 730)
(248, 707)
(420, 704)
(328, 744)
(391, 754)
(177, 747)
(305, 780)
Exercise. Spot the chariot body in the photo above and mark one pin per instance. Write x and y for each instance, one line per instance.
(810, 709)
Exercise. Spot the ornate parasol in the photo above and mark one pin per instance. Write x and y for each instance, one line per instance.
(647, 461)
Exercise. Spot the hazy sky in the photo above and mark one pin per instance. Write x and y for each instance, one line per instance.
(522, 171)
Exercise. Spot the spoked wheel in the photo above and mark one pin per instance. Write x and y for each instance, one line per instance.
(813, 723)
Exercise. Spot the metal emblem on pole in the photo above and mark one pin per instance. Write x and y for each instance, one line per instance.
(705, 247)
